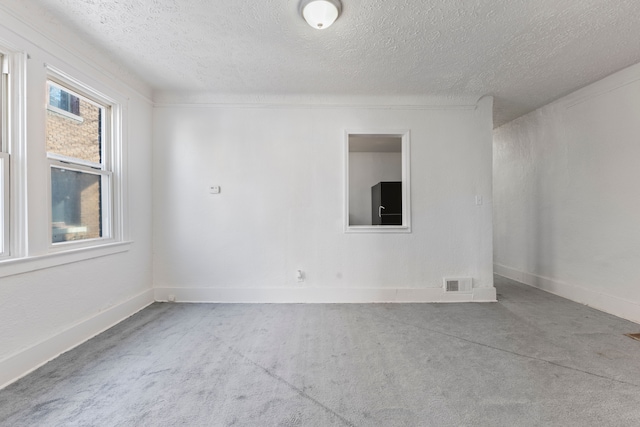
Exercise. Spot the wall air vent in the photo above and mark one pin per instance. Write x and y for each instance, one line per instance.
(458, 284)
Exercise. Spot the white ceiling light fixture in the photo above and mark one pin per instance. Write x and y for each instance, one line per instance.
(320, 14)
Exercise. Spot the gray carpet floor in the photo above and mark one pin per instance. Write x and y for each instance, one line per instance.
(531, 359)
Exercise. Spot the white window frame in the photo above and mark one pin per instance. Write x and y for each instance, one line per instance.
(405, 136)
(110, 169)
(5, 159)
(29, 245)
(5, 203)
(13, 154)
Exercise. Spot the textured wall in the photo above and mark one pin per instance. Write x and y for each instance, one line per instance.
(566, 203)
(281, 206)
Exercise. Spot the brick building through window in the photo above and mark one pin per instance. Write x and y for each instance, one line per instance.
(74, 132)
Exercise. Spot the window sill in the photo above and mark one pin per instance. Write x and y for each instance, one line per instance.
(65, 113)
(378, 229)
(10, 267)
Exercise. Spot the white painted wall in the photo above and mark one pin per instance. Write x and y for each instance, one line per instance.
(46, 311)
(366, 169)
(567, 206)
(281, 172)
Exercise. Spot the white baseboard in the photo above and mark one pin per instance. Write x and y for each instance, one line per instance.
(20, 364)
(322, 295)
(619, 307)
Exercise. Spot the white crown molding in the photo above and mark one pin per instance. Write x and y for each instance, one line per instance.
(183, 99)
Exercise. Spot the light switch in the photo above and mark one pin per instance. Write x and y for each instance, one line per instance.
(214, 189)
(478, 200)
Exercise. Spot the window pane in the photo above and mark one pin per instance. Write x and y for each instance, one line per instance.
(4, 162)
(75, 205)
(63, 100)
(80, 137)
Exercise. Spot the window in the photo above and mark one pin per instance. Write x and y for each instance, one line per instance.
(63, 100)
(12, 154)
(80, 147)
(77, 208)
(4, 159)
(377, 182)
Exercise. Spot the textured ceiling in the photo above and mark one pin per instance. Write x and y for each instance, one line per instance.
(524, 53)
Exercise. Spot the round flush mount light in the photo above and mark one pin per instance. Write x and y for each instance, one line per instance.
(320, 14)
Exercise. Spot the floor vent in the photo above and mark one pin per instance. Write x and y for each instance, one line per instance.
(458, 284)
(634, 336)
